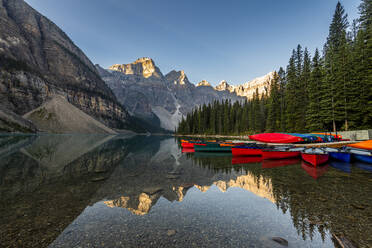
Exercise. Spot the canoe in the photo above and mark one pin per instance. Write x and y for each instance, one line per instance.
(363, 145)
(363, 158)
(325, 138)
(272, 154)
(315, 159)
(246, 160)
(306, 137)
(231, 144)
(246, 151)
(276, 138)
(212, 147)
(187, 145)
(279, 163)
(338, 136)
(188, 150)
(342, 166)
(315, 156)
(341, 156)
(314, 172)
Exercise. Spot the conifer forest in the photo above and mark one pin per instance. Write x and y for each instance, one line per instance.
(326, 91)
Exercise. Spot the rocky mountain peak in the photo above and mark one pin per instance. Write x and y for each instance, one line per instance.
(177, 78)
(204, 83)
(223, 85)
(144, 67)
(261, 84)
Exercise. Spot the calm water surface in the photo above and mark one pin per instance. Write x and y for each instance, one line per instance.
(117, 191)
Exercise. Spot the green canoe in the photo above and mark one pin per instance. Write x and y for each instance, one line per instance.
(212, 147)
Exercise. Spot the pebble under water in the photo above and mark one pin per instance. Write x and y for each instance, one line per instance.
(122, 191)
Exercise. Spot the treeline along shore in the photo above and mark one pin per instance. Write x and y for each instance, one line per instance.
(328, 91)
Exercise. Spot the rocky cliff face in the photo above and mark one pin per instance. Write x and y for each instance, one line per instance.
(248, 89)
(158, 99)
(38, 60)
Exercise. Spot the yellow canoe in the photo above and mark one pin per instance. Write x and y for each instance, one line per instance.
(363, 145)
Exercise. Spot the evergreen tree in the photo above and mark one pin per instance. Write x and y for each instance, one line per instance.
(333, 90)
(313, 115)
(273, 106)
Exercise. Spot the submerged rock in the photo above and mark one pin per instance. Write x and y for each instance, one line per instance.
(280, 240)
(171, 232)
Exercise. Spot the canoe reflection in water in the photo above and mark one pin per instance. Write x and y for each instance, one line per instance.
(342, 166)
(280, 162)
(314, 172)
(246, 160)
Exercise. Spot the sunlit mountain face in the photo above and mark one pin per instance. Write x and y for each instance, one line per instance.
(129, 191)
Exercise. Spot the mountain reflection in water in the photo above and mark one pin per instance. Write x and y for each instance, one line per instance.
(69, 190)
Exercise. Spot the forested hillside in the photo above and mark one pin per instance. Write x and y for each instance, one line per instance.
(326, 91)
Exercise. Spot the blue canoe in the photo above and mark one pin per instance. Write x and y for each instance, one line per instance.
(342, 166)
(341, 156)
(306, 137)
(363, 158)
(325, 138)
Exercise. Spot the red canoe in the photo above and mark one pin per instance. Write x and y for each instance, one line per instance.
(238, 151)
(279, 154)
(275, 138)
(190, 144)
(188, 150)
(315, 159)
(246, 160)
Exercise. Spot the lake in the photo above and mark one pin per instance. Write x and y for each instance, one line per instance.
(142, 191)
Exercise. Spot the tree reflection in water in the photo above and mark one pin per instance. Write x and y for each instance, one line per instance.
(336, 201)
(47, 181)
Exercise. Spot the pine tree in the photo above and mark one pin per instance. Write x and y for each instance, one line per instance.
(365, 35)
(334, 82)
(290, 94)
(313, 115)
(282, 83)
(273, 106)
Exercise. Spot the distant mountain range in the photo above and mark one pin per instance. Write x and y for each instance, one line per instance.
(163, 99)
(42, 72)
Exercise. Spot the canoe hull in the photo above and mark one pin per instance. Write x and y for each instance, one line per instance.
(276, 138)
(279, 154)
(363, 145)
(364, 158)
(246, 151)
(187, 145)
(207, 148)
(341, 156)
(315, 159)
(188, 150)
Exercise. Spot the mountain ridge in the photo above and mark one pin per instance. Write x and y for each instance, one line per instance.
(165, 98)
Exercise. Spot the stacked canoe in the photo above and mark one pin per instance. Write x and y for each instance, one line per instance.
(288, 138)
(315, 156)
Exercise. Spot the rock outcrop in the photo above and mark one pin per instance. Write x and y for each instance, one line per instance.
(38, 60)
(223, 85)
(11, 122)
(258, 85)
(261, 84)
(203, 83)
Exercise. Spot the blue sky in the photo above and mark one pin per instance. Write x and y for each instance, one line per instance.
(234, 40)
